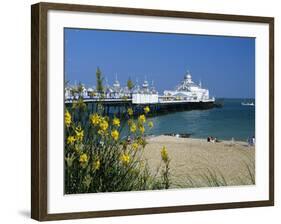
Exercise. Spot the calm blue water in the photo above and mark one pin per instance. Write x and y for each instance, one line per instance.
(232, 120)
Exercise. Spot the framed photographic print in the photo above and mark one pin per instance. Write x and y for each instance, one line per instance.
(139, 111)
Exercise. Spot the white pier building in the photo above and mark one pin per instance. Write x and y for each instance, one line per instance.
(187, 91)
(145, 95)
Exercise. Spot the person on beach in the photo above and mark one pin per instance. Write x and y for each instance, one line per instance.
(251, 141)
(212, 139)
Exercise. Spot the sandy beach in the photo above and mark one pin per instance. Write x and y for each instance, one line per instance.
(196, 162)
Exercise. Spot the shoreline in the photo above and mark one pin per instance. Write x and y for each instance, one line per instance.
(192, 158)
(189, 136)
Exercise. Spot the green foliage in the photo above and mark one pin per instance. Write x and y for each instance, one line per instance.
(99, 159)
(80, 89)
(166, 169)
(99, 80)
(214, 178)
(251, 172)
(130, 84)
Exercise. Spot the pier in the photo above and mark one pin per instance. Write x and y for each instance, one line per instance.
(116, 99)
(119, 107)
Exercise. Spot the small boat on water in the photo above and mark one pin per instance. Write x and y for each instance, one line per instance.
(248, 104)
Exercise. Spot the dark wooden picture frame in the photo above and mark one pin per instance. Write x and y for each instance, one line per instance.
(39, 121)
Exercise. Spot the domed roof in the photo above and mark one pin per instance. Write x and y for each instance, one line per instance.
(116, 83)
(187, 75)
(145, 84)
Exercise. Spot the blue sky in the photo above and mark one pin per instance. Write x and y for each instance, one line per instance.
(225, 65)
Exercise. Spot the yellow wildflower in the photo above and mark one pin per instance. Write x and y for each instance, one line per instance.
(135, 146)
(130, 111)
(95, 119)
(133, 127)
(142, 129)
(130, 122)
(79, 104)
(79, 133)
(70, 140)
(83, 158)
(142, 118)
(115, 135)
(101, 132)
(150, 124)
(78, 148)
(146, 109)
(125, 159)
(96, 165)
(164, 154)
(141, 142)
(116, 122)
(67, 118)
(103, 125)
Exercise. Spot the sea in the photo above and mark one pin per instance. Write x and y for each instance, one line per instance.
(231, 121)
